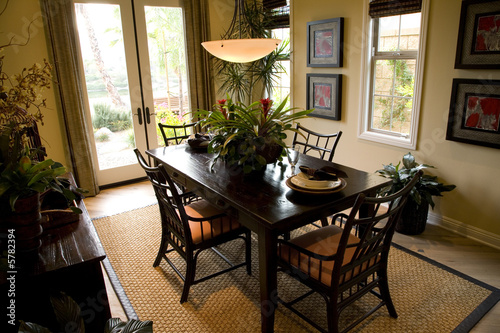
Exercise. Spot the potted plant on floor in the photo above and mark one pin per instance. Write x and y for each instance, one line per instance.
(414, 216)
(250, 136)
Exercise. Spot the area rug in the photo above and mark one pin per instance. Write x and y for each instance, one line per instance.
(428, 297)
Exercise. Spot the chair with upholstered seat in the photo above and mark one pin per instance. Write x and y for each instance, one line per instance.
(175, 134)
(343, 265)
(323, 144)
(192, 228)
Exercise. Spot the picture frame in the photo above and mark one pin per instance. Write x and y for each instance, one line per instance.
(474, 115)
(325, 43)
(478, 45)
(324, 95)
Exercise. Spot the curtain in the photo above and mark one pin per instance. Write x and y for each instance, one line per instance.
(380, 8)
(197, 31)
(60, 28)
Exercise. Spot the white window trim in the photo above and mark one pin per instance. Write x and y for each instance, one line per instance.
(364, 133)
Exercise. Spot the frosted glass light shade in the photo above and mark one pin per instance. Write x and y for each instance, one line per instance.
(241, 50)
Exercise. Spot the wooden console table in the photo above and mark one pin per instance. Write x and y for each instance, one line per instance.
(68, 261)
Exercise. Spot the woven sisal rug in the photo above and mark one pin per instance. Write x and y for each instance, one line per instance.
(429, 297)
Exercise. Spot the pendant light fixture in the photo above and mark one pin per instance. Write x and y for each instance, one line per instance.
(240, 49)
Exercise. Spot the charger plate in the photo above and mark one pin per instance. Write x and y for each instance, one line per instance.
(317, 192)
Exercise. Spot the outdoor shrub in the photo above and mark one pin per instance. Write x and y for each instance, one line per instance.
(166, 116)
(113, 119)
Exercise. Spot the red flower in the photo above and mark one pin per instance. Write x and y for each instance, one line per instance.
(221, 103)
(266, 106)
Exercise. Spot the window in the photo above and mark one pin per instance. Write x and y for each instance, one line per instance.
(278, 13)
(392, 74)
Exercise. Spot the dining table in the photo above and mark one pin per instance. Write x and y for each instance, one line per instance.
(265, 201)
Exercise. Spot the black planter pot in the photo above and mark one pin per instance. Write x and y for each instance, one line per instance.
(413, 219)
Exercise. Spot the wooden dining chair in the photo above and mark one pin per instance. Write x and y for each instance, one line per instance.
(341, 264)
(192, 228)
(175, 134)
(323, 144)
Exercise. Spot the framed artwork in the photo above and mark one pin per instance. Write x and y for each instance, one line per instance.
(324, 95)
(475, 112)
(325, 43)
(478, 43)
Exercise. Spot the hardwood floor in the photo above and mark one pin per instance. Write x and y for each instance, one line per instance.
(462, 254)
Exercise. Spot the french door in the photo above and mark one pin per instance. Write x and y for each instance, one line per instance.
(134, 62)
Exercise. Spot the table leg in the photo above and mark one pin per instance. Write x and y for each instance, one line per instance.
(267, 278)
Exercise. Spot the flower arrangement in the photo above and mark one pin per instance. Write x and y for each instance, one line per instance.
(249, 136)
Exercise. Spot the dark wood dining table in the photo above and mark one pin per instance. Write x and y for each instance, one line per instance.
(263, 202)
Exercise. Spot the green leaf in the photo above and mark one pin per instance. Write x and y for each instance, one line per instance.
(27, 327)
(67, 311)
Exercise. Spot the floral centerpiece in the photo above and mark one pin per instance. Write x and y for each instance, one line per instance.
(250, 136)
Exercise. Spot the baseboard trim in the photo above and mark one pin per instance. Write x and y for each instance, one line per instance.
(468, 231)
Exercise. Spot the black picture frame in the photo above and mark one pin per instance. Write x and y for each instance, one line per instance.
(325, 43)
(324, 95)
(477, 46)
(474, 115)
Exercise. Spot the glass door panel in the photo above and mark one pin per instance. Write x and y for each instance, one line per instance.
(135, 74)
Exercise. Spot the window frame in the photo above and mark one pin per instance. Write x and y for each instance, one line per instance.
(370, 38)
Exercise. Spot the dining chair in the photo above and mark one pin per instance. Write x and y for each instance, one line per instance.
(343, 264)
(192, 228)
(175, 134)
(323, 144)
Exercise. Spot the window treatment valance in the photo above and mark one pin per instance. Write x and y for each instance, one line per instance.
(380, 8)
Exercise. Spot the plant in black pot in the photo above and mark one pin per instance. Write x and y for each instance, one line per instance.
(414, 216)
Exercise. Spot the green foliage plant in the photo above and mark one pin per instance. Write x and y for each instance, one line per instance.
(424, 190)
(242, 133)
(68, 314)
(106, 116)
(244, 80)
(21, 175)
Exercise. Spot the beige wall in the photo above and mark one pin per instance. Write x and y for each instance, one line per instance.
(474, 169)
(14, 23)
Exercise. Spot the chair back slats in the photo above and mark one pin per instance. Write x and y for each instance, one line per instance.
(323, 144)
(169, 201)
(175, 134)
(374, 238)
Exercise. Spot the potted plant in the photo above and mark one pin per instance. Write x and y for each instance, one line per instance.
(24, 173)
(250, 136)
(414, 216)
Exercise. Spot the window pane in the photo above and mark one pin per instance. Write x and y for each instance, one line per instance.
(399, 33)
(393, 95)
(410, 31)
(388, 33)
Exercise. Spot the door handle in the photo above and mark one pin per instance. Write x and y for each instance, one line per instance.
(139, 115)
(148, 116)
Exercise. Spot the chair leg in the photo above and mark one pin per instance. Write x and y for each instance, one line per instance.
(248, 251)
(332, 316)
(190, 275)
(324, 222)
(161, 251)
(385, 294)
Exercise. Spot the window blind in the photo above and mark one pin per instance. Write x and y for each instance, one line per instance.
(278, 12)
(380, 8)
